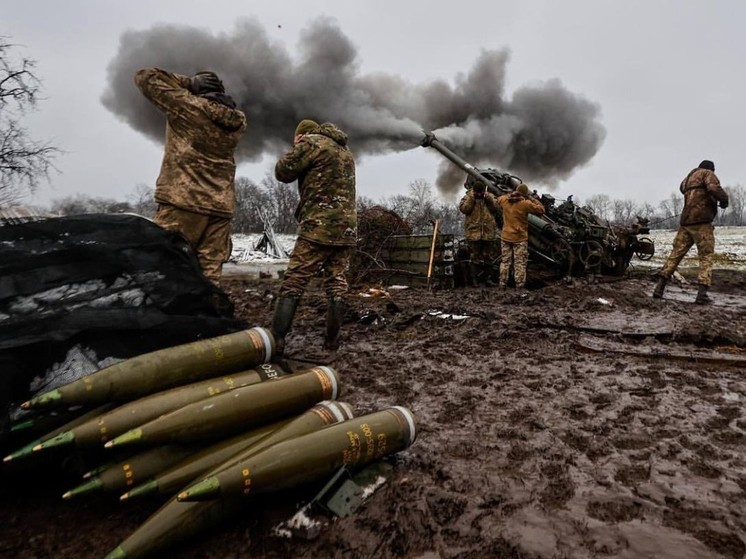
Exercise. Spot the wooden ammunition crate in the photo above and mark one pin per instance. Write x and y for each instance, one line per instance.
(406, 259)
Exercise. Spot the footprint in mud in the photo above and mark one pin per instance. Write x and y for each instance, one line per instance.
(559, 488)
(632, 443)
(615, 511)
(632, 474)
(701, 524)
(703, 469)
(445, 507)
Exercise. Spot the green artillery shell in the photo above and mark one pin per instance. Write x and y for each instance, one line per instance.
(165, 368)
(237, 410)
(133, 470)
(175, 521)
(101, 429)
(238, 448)
(29, 448)
(311, 458)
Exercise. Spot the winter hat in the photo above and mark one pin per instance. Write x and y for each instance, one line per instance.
(305, 126)
(707, 164)
(522, 189)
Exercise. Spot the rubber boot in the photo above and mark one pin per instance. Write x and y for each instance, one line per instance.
(702, 297)
(660, 287)
(334, 315)
(282, 320)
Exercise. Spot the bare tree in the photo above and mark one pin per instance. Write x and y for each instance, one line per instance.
(736, 205)
(23, 161)
(141, 200)
(283, 200)
(623, 211)
(83, 204)
(600, 204)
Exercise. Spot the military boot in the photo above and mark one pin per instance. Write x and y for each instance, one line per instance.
(474, 272)
(660, 287)
(334, 315)
(702, 297)
(282, 320)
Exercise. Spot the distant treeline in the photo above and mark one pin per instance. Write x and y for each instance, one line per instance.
(273, 202)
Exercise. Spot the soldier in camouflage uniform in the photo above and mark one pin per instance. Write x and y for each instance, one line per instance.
(324, 167)
(195, 188)
(702, 194)
(480, 230)
(516, 206)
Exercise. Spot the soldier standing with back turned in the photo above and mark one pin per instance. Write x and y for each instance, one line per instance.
(195, 188)
(324, 167)
(480, 230)
(516, 207)
(702, 194)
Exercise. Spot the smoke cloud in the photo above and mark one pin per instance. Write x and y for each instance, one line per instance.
(542, 134)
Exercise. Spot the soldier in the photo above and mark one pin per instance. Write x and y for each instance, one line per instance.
(195, 189)
(324, 167)
(702, 194)
(516, 206)
(480, 230)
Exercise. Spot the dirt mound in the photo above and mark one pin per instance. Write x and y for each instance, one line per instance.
(578, 420)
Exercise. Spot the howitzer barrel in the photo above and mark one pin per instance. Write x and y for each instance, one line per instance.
(164, 368)
(430, 141)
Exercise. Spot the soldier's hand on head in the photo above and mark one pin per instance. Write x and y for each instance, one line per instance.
(204, 82)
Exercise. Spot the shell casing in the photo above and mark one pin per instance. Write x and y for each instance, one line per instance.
(164, 368)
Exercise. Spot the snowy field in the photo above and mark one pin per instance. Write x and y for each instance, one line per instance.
(730, 252)
(730, 249)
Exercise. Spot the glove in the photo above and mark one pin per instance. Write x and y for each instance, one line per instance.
(205, 82)
(723, 204)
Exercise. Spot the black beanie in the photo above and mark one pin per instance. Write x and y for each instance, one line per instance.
(707, 164)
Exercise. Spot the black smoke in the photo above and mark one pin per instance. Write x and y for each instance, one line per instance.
(543, 133)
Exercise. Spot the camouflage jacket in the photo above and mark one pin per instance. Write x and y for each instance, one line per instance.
(479, 224)
(702, 191)
(515, 208)
(324, 167)
(198, 168)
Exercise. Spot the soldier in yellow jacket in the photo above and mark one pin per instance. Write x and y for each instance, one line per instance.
(195, 189)
(516, 207)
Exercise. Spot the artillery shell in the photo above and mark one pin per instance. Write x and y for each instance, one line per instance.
(175, 521)
(237, 410)
(242, 446)
(133, 470)
(164, 368)
(107, 426)
(312, 457)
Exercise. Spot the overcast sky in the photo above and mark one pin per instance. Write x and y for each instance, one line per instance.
(665, 76)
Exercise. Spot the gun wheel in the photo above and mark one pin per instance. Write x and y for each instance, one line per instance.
(645, 255)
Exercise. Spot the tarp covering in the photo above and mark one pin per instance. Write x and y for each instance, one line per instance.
(110, 286)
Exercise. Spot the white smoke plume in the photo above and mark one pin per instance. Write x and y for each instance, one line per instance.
(543, 133)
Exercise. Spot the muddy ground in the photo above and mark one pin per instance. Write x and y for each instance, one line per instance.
(584, 420)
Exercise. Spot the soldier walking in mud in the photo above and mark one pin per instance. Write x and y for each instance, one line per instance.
(516, 207)
(702, 194)
(324, 167)
(480, 230)
(195, 188)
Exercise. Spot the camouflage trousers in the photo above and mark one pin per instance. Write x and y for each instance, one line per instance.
(208, 235)
(703, 235)
(308, 259)
(481, 252)
(515, 254)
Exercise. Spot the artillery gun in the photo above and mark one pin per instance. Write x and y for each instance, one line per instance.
(567, 239)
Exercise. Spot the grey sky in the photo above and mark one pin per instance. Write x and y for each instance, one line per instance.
(666, 74)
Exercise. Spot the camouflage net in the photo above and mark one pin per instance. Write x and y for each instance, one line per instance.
(375, 226)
